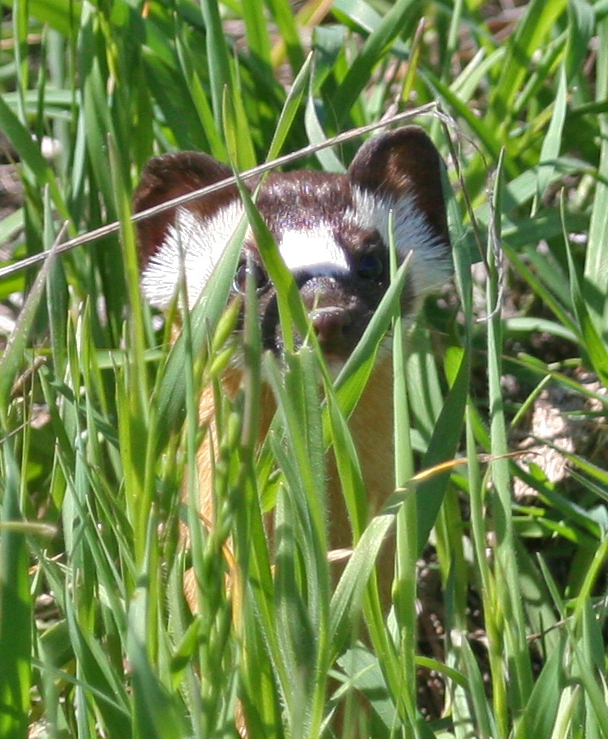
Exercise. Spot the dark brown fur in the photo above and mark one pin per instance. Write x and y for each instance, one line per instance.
(402, 163)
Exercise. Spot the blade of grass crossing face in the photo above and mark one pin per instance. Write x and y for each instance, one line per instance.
(291, 310)
(364, 354)
(347, 599)
(343, 398)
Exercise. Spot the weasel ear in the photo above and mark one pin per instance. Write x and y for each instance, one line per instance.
(404, 163)
(169, 176)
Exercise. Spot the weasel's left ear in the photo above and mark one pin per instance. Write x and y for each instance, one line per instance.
(404, 163)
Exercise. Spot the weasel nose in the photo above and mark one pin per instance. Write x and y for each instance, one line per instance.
(329, 324)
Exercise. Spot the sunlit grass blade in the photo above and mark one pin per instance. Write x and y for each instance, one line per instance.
(157, 714)
(541, 711)
(30, 154)
(442, 447)
(13, 355)
(327, 158)
(401, 19)
(15, 601)
(282, 12)
(508, 609)
(205, 317)
(290, 109)
(217, 57)
(589, 334)
(534, 27)
(596, 267)
(509, 585)
(553, 139)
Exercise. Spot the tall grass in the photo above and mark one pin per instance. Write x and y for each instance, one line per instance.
(98, 410)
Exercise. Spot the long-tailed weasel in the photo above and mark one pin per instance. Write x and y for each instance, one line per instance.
(332, 231)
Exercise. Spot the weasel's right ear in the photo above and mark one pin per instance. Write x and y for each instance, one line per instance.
(169, 176)
(400, 163)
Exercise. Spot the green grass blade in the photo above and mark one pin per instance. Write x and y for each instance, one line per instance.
(30, 154)
(401, 19)
(15, 603)
(205, 317)
(596, 262)
(528, 38)
(590, 336)
(13, 355)
(553, 140)
(282, 12)
(442, 447)
(290, 109)
(217, 57)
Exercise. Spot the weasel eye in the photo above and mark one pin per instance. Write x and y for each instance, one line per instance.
(370, 267)
(260, 278)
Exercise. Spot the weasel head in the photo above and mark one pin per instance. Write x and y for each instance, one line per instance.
(331, 230)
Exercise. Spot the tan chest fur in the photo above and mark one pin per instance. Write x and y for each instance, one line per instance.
(371, 425)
